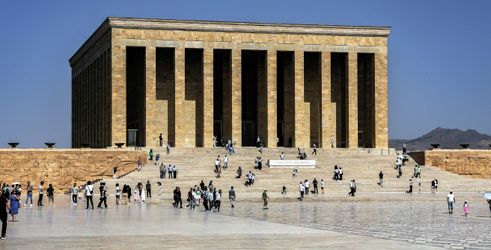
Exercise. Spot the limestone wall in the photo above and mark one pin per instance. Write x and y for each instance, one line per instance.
(64, 167)
(476, 163)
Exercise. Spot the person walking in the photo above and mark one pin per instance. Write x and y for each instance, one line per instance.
(225, 162)
(14, 204)
(169, 171)
(231, 196)
(218, 200)
(322, 186)
(148, 188)
(161, 189)
(381, 179)
(314, 182)
(74, 192)
(314, 149)
(117, 193)
(306, 184)
(103, 197)
(301, 190)
(410, 191)
(239, 172)
(162, 171)
(29, 189)
(450, 201)
(40, 192)
(265, 199)
(89, 192)
(4, 207)
(352, 186)
(174, 171)
(466, 208)
(50, 191)
(161, 139)
(150, 155)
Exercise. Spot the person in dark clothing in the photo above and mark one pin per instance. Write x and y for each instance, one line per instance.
(148, 187)
(103, 198)
(177, 198)
(4, 206)
(381, 179)
(128, 190)
(239, 172)
(316, 190)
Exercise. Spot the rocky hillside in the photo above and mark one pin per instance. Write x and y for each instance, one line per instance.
(447, 138)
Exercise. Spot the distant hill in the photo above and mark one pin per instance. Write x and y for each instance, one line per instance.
(447, 138)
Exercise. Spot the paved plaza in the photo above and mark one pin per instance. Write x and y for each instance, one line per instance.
(411, 224)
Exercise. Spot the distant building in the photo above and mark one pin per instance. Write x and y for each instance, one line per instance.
(291, 84)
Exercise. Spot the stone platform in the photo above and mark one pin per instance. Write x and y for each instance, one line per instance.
(409, 224)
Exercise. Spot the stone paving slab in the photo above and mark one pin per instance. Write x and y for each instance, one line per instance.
(153, 226)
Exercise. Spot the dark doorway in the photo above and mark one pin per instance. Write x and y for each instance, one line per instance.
(285, 74)
(165, 81)
(222, 96)
(135, 94)
(366, 100)
(312, 78)
(194, 97)
(339, 82)
(254, 115)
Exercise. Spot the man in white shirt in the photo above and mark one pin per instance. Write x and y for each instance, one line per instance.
(450, 201)
(89, 191)
(307, 186)
(282, 156)
(301, 189)
(225, 162)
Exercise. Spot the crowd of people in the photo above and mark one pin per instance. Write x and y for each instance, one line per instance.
(207, 196)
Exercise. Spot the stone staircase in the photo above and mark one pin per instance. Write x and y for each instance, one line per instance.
(363, 165)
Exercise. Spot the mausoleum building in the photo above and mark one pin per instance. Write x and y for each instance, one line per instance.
(290, 84)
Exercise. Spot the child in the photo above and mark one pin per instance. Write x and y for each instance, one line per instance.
(466, 208)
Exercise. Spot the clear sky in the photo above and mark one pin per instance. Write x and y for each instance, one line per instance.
(439, 56)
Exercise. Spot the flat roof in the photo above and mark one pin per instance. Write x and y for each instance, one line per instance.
(234, 26)
(231, 26)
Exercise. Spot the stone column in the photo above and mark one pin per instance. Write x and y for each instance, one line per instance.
(302, 109)
(151, 124)
(328, 107)
(208, 96)
(237, 97)
(179, 96)
(352, 101)
(381, 104)
(271, 93)
(118, 94)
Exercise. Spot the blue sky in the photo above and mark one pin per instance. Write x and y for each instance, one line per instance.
(439, 56)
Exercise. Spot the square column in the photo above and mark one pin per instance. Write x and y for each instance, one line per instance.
(151, 130)
(208, 97)
(328, 107)
(271, 93)
(236, 97)
(118, 95)
(352, 101)
(302, 109)
(381, 102)
(179, 95)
